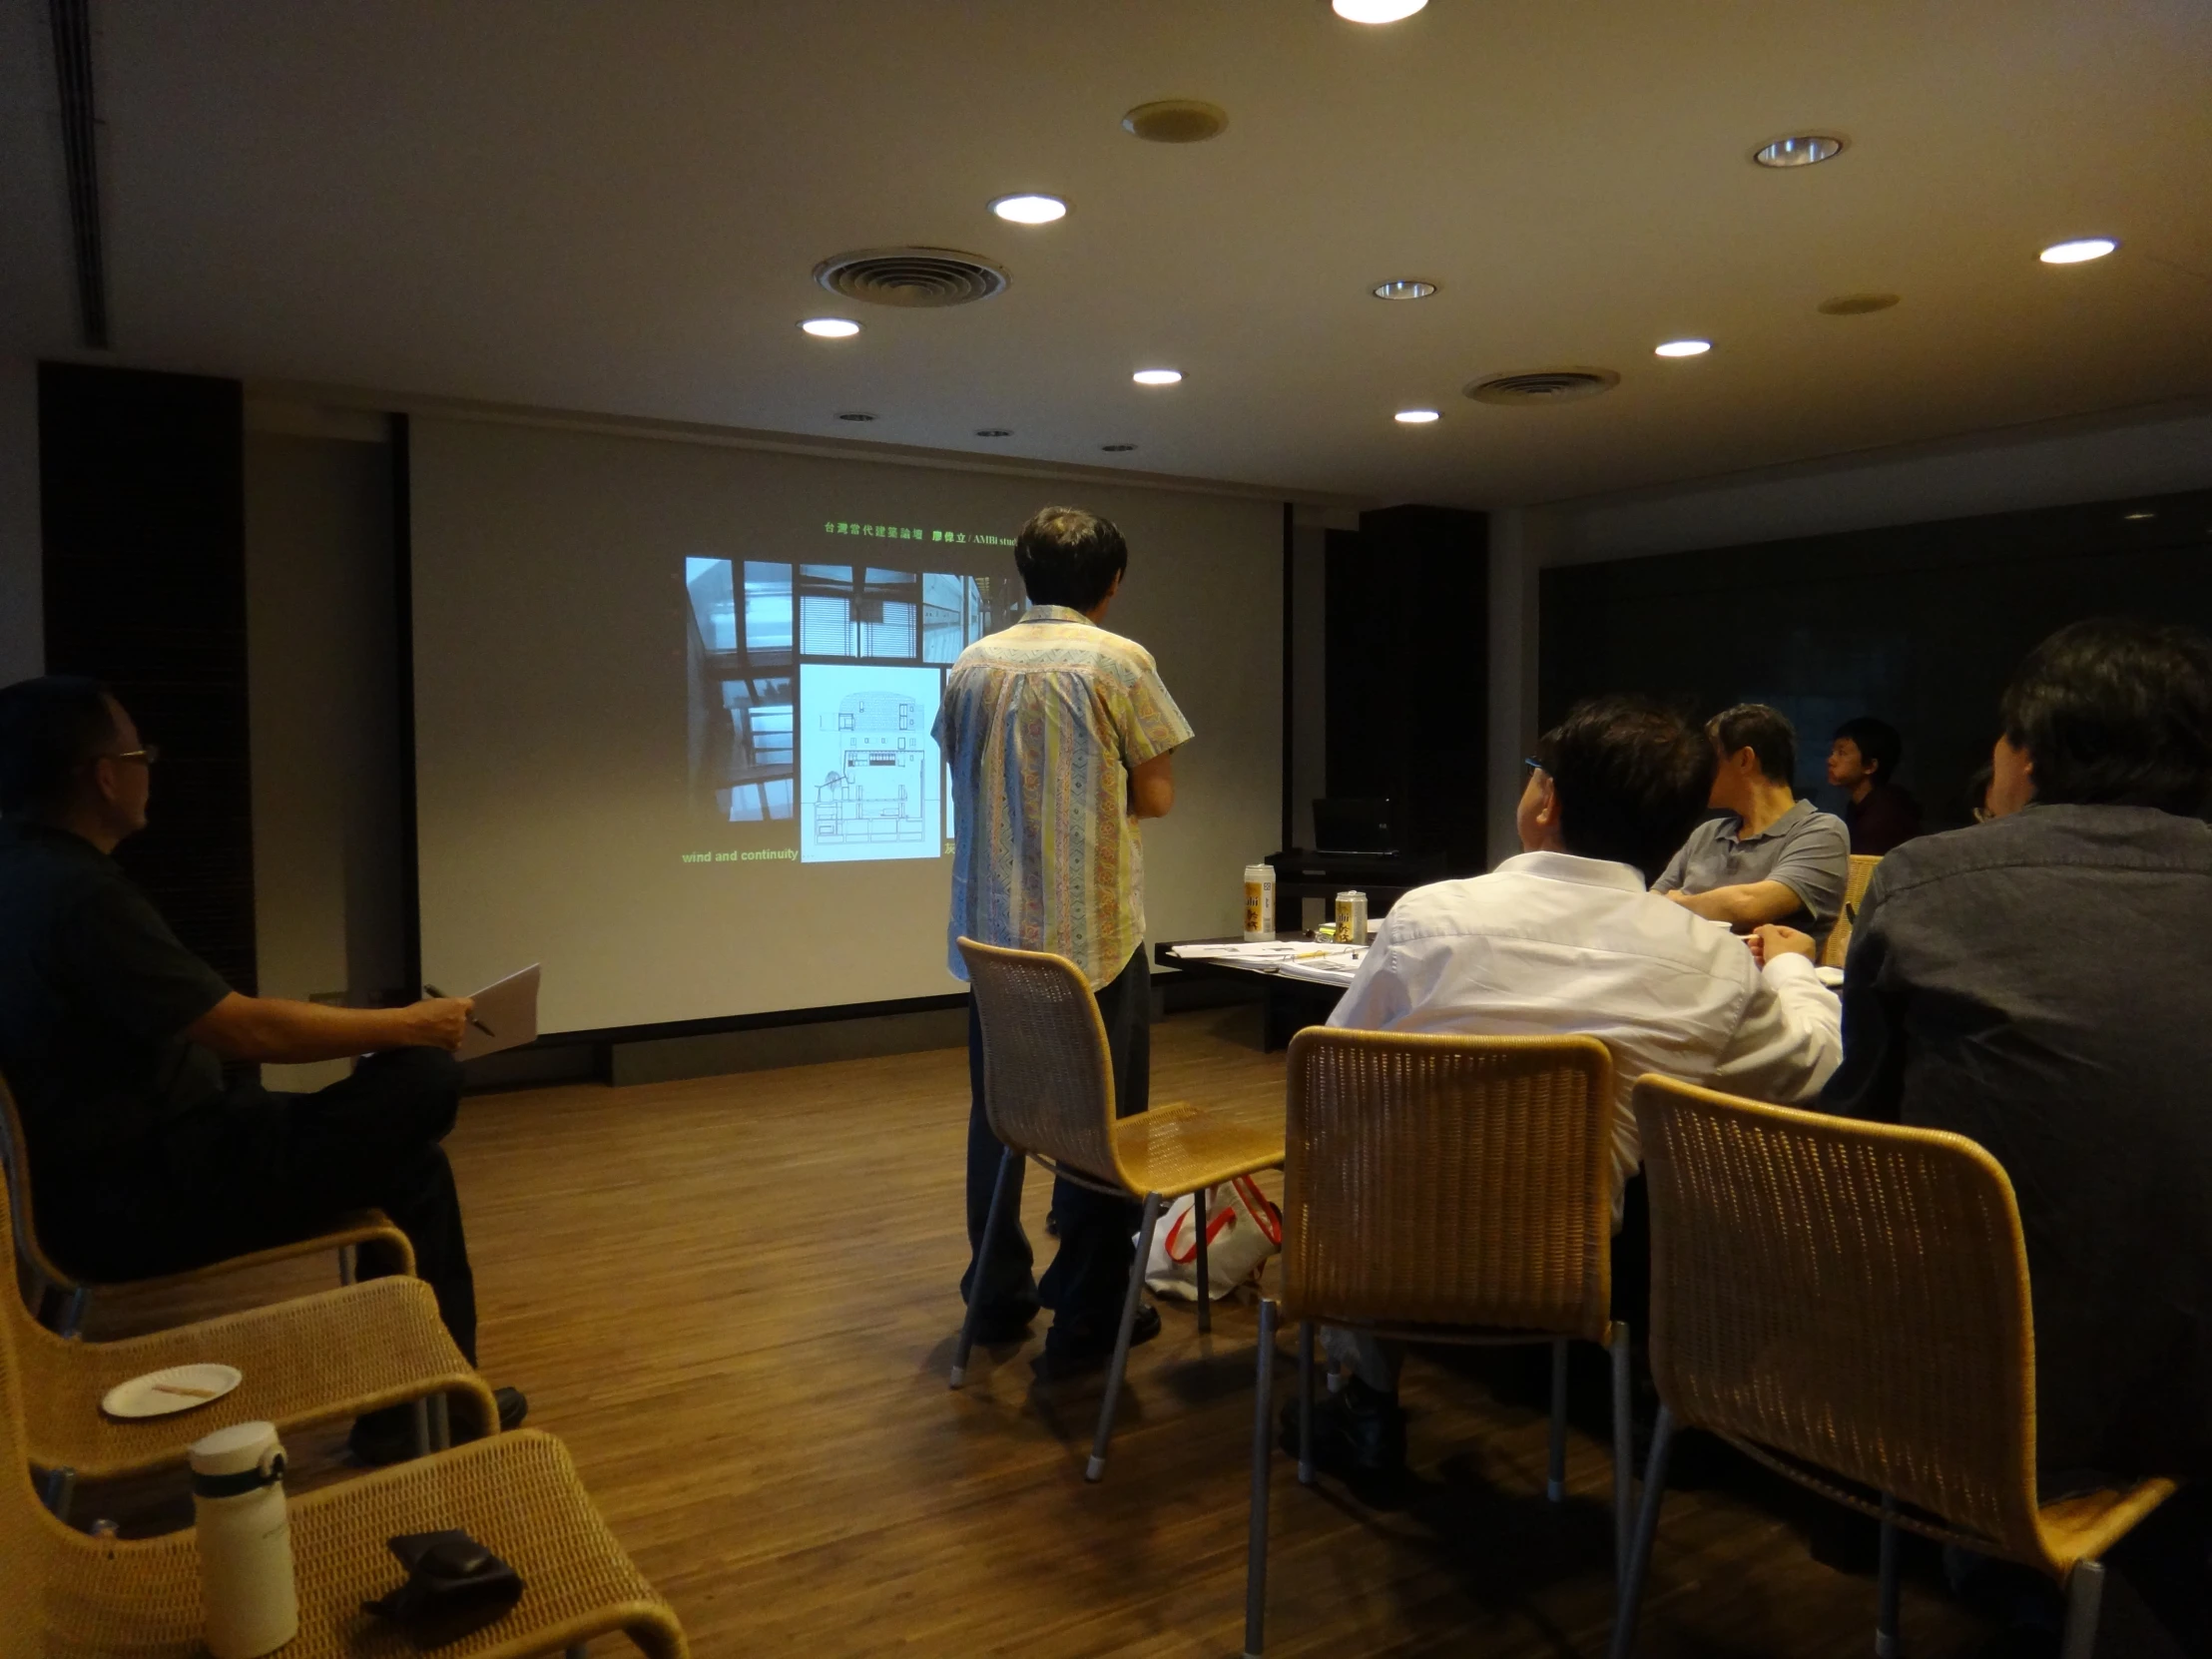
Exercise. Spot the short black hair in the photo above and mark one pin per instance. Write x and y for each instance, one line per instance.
(1633, 777)
(1766, 732)
(49, 728)
(2117, 711)
(1069, 557)
(1878, 741)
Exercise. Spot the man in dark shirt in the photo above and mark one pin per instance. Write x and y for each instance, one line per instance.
(1862, 761)
(2038, 985)
(112, 1038)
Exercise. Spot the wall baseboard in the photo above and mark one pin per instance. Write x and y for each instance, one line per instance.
(719, 1053)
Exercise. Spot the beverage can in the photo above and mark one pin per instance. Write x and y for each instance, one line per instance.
(1351, 916)
(1258, 902)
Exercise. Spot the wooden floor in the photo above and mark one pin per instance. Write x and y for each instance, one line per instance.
(735, 1300)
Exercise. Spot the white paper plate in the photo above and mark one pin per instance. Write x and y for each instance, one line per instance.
(177, 1388)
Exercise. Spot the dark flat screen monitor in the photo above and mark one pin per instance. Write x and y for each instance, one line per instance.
(1354, 824)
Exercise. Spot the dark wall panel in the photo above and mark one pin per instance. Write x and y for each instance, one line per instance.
(143, 508)
(1920, 624)
(1407, 627)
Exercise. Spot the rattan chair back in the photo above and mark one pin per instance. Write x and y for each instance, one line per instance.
(23, 1519)
(15, 1160)
(1049, 1082)
(1838, 945)
(1449, 1181)
(1853, 1296)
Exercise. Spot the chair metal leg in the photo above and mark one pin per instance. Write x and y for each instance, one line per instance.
(1647, 1527)
(1305, 1402)
(1097, 1466)
(1006, 1162)
(1263, 1446)
(74, 1308)
(1624, 1455)
(2084, 1595)
(1886, 1602)
(61, 1491)
(1555, 1485)
(423, 1446)
(1205, 1278)
(349, 1263)
(441, 1424)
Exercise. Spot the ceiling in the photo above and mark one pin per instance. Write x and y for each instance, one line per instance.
(616, 208)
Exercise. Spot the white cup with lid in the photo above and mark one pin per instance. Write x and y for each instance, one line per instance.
(246, 1577)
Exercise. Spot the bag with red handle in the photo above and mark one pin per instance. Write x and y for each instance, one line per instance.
(1242, 1230)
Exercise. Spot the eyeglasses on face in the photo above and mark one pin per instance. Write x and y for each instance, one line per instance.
(150, 753)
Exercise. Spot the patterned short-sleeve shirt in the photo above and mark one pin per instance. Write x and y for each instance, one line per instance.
(1042, 724)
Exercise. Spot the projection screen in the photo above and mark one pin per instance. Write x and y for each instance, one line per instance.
(673, 705)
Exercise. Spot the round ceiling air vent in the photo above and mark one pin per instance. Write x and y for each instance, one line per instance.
(912, 277)
(1177, 121)
(1544, 385)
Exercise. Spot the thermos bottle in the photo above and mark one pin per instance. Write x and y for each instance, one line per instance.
(245, 1580)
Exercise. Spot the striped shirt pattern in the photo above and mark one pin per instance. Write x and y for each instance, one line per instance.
(1041, 724)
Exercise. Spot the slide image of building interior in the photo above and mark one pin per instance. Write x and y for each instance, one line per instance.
(742, 712)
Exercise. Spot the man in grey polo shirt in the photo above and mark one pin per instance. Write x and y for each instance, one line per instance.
(1772, 858)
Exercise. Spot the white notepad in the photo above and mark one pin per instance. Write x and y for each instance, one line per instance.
(505, 1015)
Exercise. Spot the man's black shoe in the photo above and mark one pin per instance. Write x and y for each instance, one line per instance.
(389, 1435)
(1360, 1437)
(1004, 1325)
(1086, 1344)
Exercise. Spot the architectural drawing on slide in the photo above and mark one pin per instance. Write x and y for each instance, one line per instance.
(878, 791)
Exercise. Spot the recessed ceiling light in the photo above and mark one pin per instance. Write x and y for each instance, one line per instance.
(2139, 517)
(831, 328)
(1030, 209)
(1117, 448)
(1405, 287)
(1683, 348)
(1157, 376)
(2075, 252)
(1416, 417)
(1856, 304)
(1376, 11)
(1802, 150)
(855, 415)
(994, 431)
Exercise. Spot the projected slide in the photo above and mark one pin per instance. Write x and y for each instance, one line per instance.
(868, 763)
(812, 691)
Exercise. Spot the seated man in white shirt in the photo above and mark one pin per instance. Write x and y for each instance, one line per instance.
(1568, 938)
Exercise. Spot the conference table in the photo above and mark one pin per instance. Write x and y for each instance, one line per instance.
(1290, 1002)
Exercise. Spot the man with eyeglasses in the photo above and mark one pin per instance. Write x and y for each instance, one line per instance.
(114, 1036)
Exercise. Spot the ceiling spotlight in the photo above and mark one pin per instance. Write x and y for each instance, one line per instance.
(2138, 516)
(1416, 417)
(1856, 304)
(1030, 209)
(994, 431)
(856, 415)
(1683, 348)
(1804, 150)
(1405, 287)
(831, 328)
(1177, 121)
(1376, 11)
(2075, 252)
(1117, 448)
(1157, 376)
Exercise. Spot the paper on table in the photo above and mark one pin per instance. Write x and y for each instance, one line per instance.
(505, 1015)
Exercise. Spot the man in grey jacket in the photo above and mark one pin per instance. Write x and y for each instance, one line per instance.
(2042, 984)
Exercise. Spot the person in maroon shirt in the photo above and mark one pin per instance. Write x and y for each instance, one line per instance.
(1861, 760)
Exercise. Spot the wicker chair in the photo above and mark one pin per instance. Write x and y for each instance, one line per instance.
(1049, 1088)
(67, 1597)
(1837, 946)
(319, 1359)
(72, 1296)
(1444, 1189)
(1847, 1303)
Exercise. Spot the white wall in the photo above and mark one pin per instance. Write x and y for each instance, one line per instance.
(22, 620)
(2047, 465)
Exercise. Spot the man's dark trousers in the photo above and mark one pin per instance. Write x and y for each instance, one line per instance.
(1089, 1276)
(258, 1168)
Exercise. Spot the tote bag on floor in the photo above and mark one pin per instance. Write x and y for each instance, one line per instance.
(1242, 1230)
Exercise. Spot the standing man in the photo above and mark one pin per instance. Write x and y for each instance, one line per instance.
(1059, 736)
(1863, 761)
(1772, 858)
(113, 1038)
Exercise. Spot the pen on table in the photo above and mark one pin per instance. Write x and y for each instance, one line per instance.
(433, 990)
